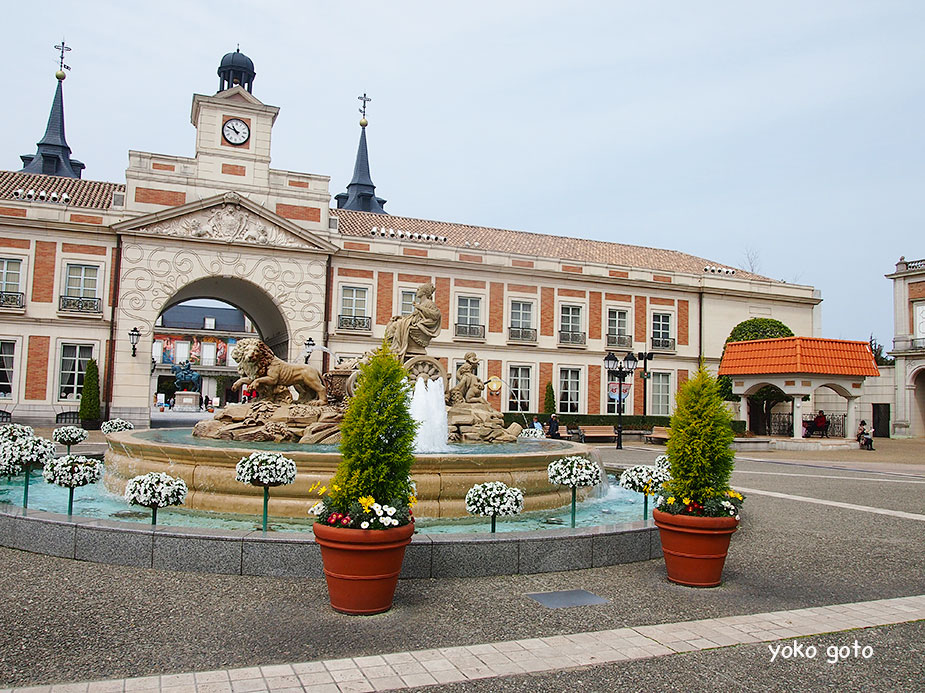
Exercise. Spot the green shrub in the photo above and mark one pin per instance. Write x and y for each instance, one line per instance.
(90, 397)
(377, 437)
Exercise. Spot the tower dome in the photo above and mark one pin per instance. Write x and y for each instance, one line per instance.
(236, 68)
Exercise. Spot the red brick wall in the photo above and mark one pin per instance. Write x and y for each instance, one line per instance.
(112, 277)
(414, 252)
(641, 318)
(442, 298)
(153, 196)
(163, 167)
(547, 311)
(12, 212)
(463, 257)
(571, 268)
(384, 297)
(86, 219)
(414, 278)
(298, 212)
(683, 322)
(522, 288)
(594, 389)
(347, 272)
(572, 293)
(594, 319)
(656, 301)
(661, 278)
(496, 310)
(522, 263)
(638, 399)
(682, 377)
(233, 170)
(623, 298)
(15, 243)
(545, 378)
(37, 367)
(494, 368)
(619, 273)
(469, 283)
(43, 278)
(298, 183)
(350, 245)
(86, 249)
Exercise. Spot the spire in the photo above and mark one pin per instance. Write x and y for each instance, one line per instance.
(361, 193)
(53, 156)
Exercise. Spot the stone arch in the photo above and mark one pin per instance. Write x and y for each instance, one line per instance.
(757, 386)
(838, 389)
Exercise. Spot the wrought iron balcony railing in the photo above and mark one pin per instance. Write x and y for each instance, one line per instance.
(571, 337)
(77, 304)
(354, 322)
(663, 343)
(12, 299)
(623, 341)
(471, 331)
(522, 334)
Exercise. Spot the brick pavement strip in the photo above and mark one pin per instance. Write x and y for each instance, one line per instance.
(430, 667)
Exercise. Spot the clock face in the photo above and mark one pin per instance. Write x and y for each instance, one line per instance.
(235, 131)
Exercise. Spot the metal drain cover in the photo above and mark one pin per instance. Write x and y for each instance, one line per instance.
(564, 598)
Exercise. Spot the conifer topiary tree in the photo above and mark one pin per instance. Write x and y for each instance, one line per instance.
(549, 401)
(377, 437)
(90, 396)
(699, 446)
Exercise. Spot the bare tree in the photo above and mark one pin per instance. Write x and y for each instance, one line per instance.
(753, 260)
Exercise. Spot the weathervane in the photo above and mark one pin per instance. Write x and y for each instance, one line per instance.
(64, 49)
(365, 99)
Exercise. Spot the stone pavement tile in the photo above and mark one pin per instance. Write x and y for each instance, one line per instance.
(214, 687)
(556, 641)
(308, 667)
(452, 651)
(433, 665)
(342, 675)
(242, 674)
(466, 662)
(287, 690)
(377, 671)
(276, 670)
(323, 688)
(371, 661)
(482, 649)
(509, 646)
(424, 679)
(531, 643)
(448, 675)
(506, 669)
(171, 680)
(315, 678)
(188, 688)
(72, 687)
(408, 668)
(248, 685)
(117, 685)
(33, 689)
(477, 672)
(335, 664)
(532, 664)
(681, 646)
(492, 658)
(426, 655)
(216, 676)
(363, 686)
(277, 682)
(398, 658)
(387, 683)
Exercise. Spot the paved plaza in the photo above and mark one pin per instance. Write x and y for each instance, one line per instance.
(829, 555)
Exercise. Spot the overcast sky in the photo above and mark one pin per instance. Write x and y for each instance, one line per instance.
(788, 132)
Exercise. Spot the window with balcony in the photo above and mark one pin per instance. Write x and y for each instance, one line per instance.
(7, 352)
(354, 313)
(181, 351)
(469, 317)
(521, 329)
(519, 381)
(617, 329)
(157, 351)
(660, 387)
(407, 302)
(570, 325)
(569, 390)
(10, 280)
(661, 332)
(74, 358)
(81, 285)
(207, 357)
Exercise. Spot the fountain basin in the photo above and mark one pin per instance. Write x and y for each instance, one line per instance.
(208, 468)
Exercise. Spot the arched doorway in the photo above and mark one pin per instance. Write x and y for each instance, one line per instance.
(765, 417)
(917, 415)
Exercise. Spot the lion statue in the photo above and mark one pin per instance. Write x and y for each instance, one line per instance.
(271, 377)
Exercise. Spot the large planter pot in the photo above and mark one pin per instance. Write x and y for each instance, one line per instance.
(361, 566)
(694, 547)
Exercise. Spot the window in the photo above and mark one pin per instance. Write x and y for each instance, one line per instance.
(569, 390)
(81, 281)
(157, 350)
(519, 380)
(570, 318)
(469, 312)
(74, 359)
(208, 323)
(207, 357)
(521, 314)
(659, 386)
(616, 321)
(661, 326)
(181, 351)
(10, 272)
(407, 302)
(160, 321)
(353, 301)
(7, 350)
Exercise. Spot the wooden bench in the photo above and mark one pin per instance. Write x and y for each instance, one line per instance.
(68, 417)
(586, 432)
(659, 434)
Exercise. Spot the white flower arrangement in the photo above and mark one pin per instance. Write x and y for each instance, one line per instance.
(116, 425)
(384, 516)
(494, 498)
(16, 454)
(72, 471)
(155, 490)
(69, 435)
(645, 479)
(574, 471)
(662, 462)
(13, 432)
(531, 433)
(731, 509)
(265, 469)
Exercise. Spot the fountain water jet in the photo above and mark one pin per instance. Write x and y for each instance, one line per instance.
(428, 409)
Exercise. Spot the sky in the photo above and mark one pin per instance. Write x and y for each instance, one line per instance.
(783, 137)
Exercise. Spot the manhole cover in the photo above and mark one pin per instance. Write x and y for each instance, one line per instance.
(564, 598)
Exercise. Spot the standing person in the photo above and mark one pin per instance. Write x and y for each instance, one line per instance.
(865, 436)
(553, 431)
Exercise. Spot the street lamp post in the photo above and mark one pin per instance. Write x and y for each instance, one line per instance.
(645, 357)
(621, 369)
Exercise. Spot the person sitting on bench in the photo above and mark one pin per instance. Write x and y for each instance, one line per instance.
(820, 423)
(865, 436)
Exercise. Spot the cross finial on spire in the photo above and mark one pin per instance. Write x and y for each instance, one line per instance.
(365, 99)
(64, 48)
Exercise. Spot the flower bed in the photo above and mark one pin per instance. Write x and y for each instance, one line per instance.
(116, 425)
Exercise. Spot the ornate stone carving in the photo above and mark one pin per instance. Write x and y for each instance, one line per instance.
(410, 334)
(228, 223)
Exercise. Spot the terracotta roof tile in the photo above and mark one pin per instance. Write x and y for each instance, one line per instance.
(87, 194)
(353, 223)
(798, 355)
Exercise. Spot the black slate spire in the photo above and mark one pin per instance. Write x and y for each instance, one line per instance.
(361, 193)
(53, 157)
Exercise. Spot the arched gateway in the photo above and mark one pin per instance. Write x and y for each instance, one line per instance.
(225, 247)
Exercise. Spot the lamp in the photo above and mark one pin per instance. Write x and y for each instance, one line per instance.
(133, 336)
(621, 369)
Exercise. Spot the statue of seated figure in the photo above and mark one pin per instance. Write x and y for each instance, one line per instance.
(410, 334)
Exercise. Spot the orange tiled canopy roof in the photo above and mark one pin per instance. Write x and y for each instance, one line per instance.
(798, 355)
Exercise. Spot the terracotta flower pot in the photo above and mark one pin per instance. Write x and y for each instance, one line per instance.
(694, 547)
(361, 566)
